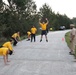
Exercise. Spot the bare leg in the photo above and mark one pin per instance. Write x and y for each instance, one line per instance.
(41, 38)
(46, 38)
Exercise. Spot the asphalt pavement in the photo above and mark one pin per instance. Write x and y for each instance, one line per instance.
(41, 58)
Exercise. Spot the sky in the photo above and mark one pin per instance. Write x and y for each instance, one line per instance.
(62, 7)
(67, 7)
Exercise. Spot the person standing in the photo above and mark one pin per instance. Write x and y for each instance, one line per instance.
(72, 39)
(44, 29)
(33, 33)
(16, 37)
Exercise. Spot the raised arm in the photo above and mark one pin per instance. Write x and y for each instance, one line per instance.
(47, 21)
(39, 21)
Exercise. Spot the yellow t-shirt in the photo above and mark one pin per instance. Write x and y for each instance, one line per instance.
(15, 35)
(33, 30)
(28, 33)
(3, 51)
(8, 45)
(43, 26)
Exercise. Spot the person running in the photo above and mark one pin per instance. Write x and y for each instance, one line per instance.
(16, 37)
(33, 33)
(28, 35)
(4, 52)
(44, 29)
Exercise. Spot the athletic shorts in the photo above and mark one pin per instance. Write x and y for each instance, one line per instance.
(44, 32)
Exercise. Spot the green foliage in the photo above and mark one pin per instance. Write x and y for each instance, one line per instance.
(55, 20)
(21, 15)
(74, 21)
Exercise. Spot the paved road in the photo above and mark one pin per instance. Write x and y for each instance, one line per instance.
(41, 58)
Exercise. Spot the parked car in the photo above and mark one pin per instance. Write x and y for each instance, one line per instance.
(62, 27)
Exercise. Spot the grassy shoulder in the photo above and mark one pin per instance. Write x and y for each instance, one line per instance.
(67, 38)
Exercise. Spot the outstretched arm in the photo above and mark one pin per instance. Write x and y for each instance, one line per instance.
(5, 59)
(47, 21)
(39, 21)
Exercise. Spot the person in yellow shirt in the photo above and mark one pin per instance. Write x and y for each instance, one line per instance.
(16, 37)
(4, 52)
(28, 35)
(8, 45)
(44, 28)
(33, 33)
